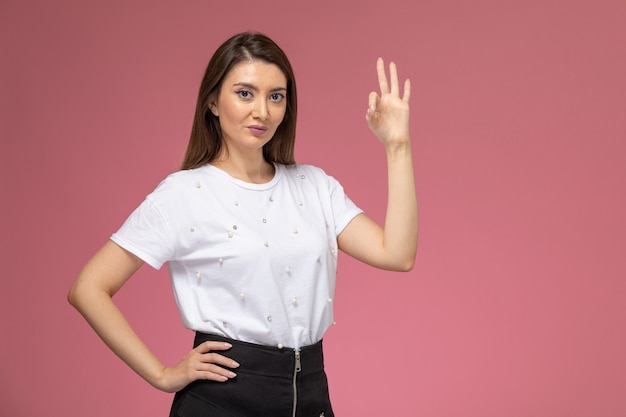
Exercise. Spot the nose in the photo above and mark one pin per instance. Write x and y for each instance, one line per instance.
(260, 110)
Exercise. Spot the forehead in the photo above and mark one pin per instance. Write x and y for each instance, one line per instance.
(259, 73)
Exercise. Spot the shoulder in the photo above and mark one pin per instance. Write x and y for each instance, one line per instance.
(184, 177)
(303, 171)
(310, 177)
(180, 184)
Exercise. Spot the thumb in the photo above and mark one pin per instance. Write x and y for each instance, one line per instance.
(372, 104)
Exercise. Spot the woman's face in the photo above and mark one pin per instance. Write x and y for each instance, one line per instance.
(251, 105)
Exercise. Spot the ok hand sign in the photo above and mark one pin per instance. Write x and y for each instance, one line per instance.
(388, 113)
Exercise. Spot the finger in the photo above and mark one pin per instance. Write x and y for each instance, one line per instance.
(372, 103)
(382, 77)
(393, 78)
(210, 345)
(407, 91)
(212, 369)
(214, 366)
(218, 359)
(214, 373)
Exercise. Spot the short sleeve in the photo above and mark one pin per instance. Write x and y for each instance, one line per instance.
(344, 210)
(147, 235)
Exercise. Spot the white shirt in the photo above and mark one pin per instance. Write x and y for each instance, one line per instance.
(252, 262)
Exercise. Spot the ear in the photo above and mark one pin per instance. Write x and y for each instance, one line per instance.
(213, 108)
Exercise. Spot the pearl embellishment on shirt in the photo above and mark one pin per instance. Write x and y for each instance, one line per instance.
(287, 238)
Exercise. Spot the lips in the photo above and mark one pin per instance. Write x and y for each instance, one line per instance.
(257, 130)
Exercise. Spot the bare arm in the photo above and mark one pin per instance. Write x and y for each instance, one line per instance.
(393, 246)
(91, 294)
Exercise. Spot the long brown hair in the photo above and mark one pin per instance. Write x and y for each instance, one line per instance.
(205, 143)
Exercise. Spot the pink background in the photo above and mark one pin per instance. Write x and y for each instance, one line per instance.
(516, 304)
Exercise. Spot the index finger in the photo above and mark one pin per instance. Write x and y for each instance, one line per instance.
(209, 345)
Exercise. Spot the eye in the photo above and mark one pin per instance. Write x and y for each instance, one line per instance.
(277, 97)
(245, 94)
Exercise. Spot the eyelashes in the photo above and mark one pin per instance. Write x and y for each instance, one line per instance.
(247, 95)
(277, 97)
(244, 94)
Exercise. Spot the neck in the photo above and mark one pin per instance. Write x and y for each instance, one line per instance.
(253, 170)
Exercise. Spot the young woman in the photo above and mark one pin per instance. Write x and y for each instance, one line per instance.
(251, 240)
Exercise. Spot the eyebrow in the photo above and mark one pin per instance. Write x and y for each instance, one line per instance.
(255, 88)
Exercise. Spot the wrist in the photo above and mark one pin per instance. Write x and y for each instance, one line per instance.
(397, 149)
(163, 382)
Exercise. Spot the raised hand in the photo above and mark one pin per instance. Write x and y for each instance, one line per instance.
(392, 246)
(388, 113)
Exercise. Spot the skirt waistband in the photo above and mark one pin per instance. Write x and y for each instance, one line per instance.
(269, 360)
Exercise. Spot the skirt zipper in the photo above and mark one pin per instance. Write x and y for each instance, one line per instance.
(297, 368)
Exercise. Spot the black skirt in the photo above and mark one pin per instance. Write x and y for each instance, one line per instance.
(270, 382)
